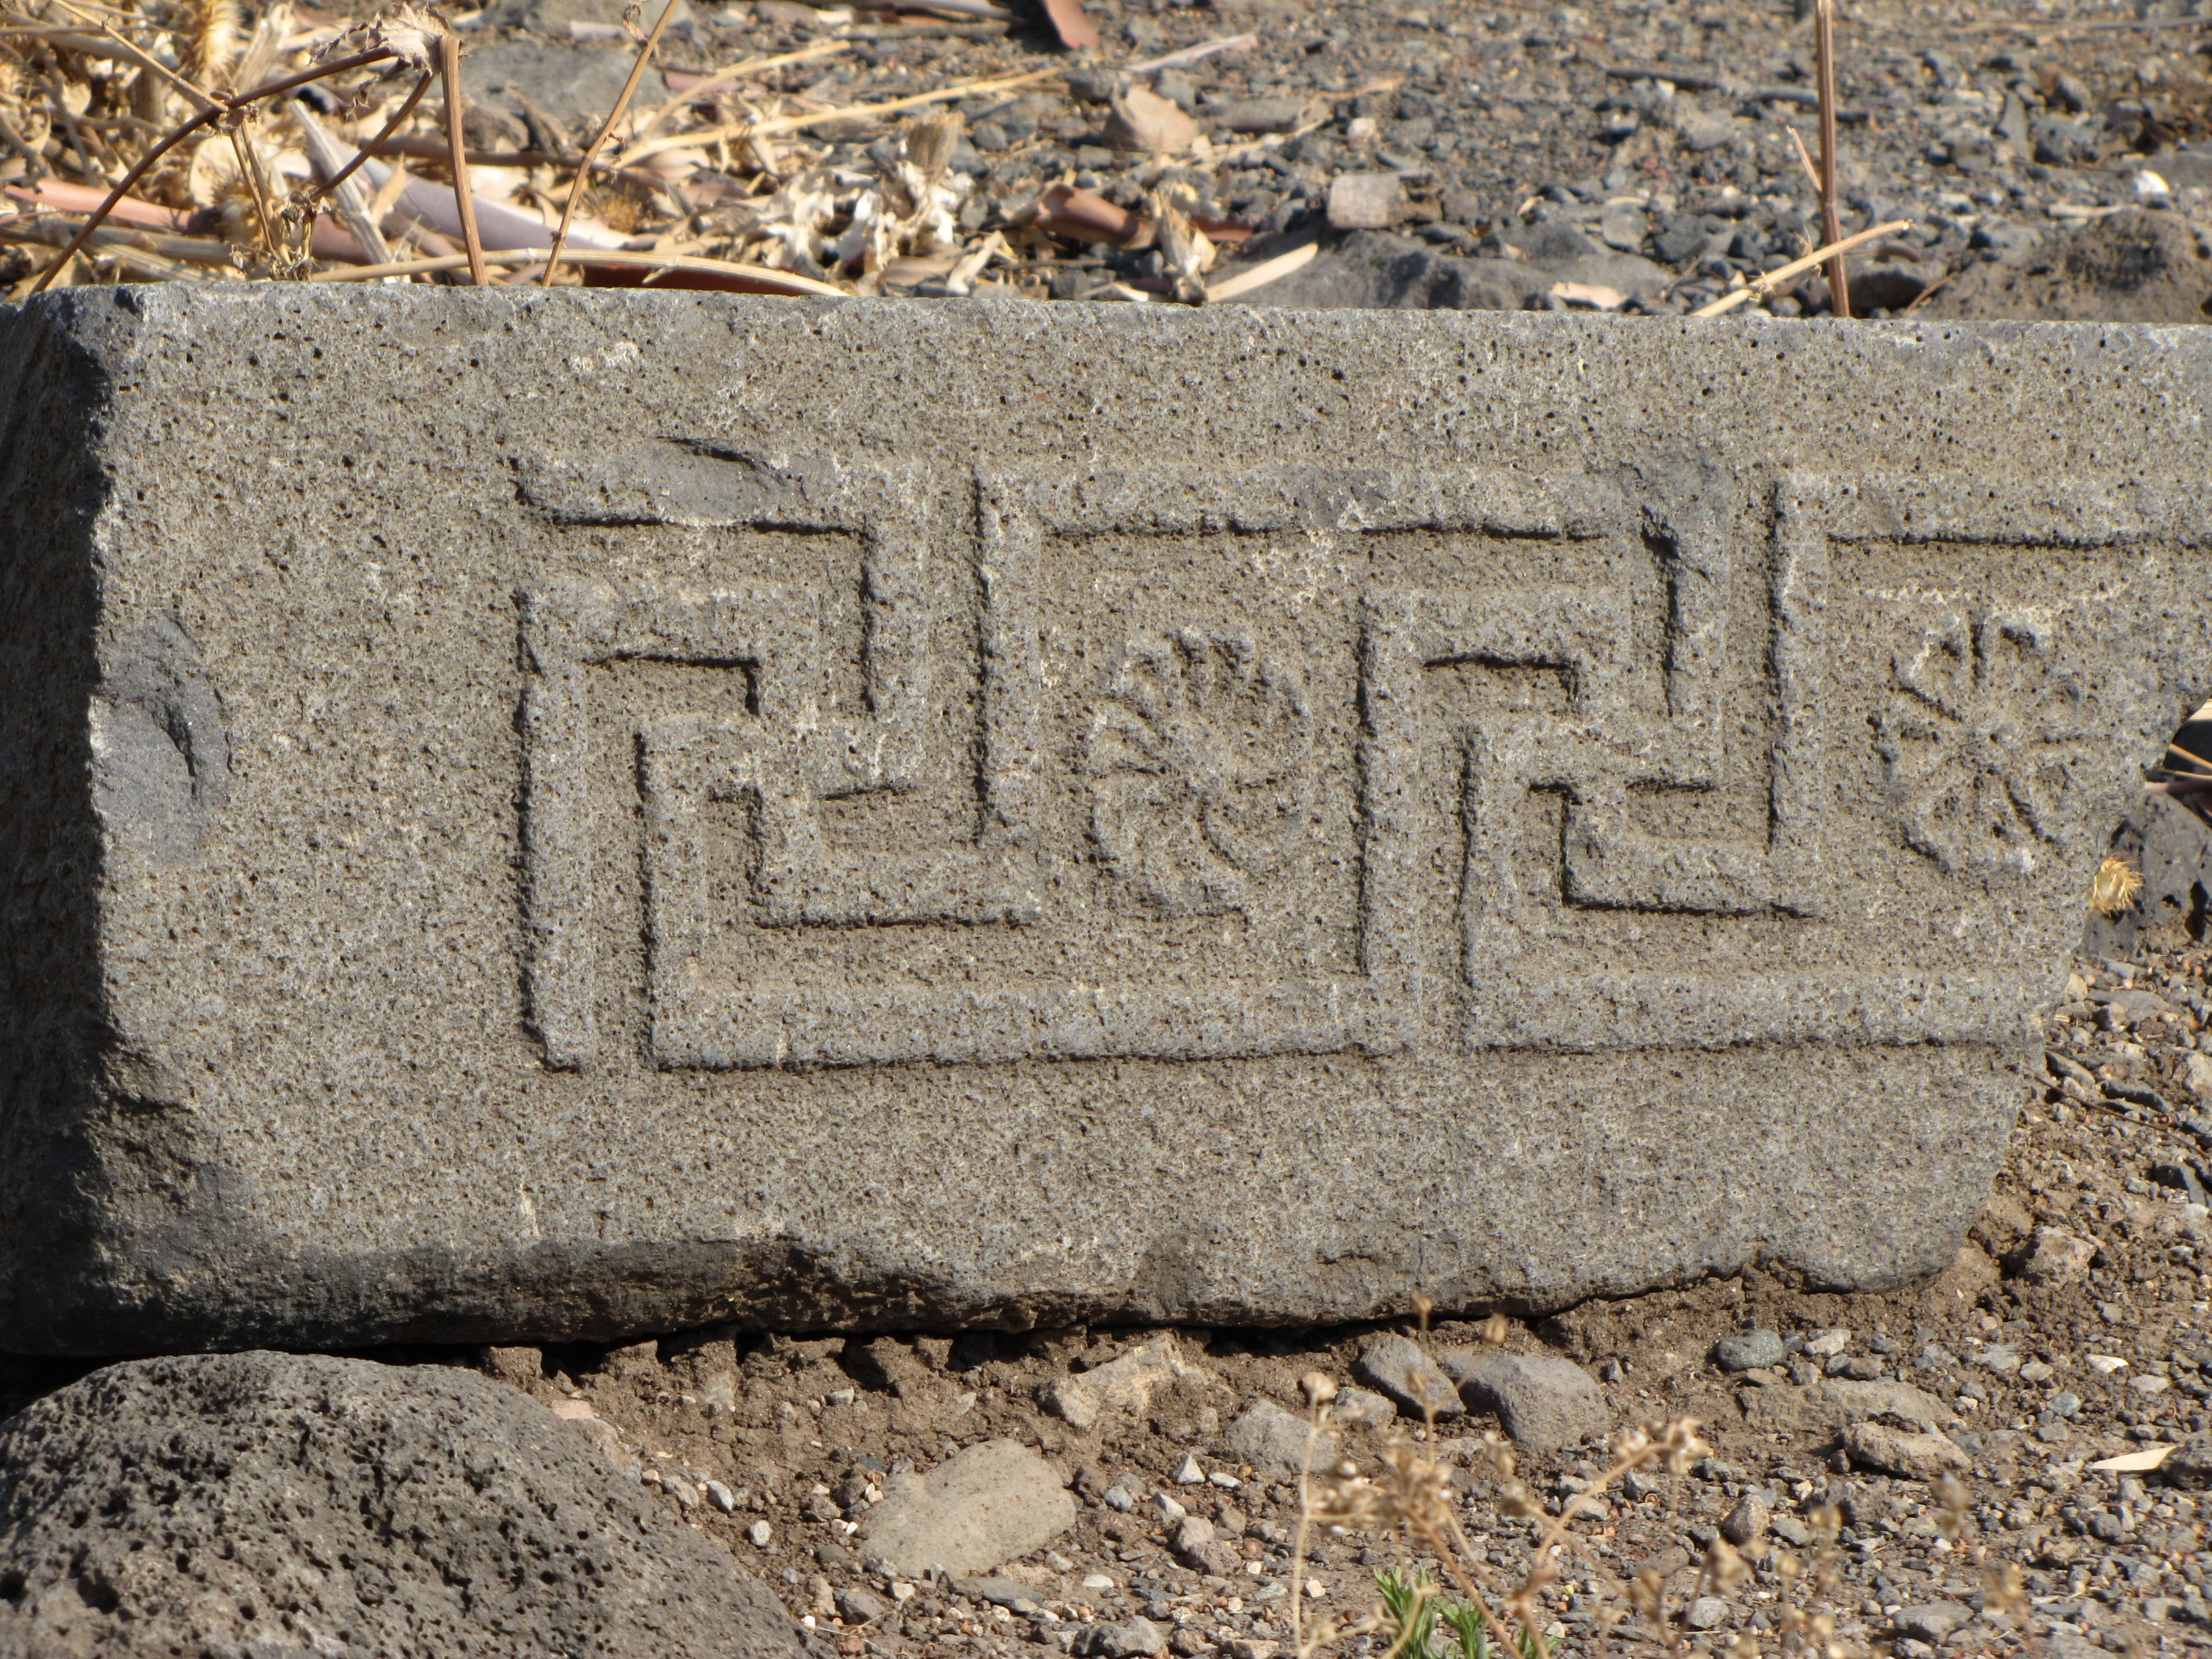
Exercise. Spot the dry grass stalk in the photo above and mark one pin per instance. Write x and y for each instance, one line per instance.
(329, 159)
(633, 153)
(767, 280)
(733, 73)
(1832, 223)
(606, 130)
(1774, 279)
(130, 53)
(1410, 1497)
(344, 174)
(464, 202)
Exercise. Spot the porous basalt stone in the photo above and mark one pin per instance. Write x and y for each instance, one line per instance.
(258, 1502)
(544, 815)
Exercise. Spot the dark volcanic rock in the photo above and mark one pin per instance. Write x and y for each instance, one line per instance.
(221, 1503)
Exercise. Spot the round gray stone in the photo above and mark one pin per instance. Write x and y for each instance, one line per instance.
(1747, 1350)
(301, 1504)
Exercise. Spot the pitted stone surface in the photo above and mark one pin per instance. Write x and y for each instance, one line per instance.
(267, 1503)
(531, 816)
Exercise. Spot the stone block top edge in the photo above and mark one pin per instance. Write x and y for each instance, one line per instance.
(97, 312)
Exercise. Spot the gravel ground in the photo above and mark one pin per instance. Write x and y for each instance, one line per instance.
(1641, 155)
(1538, 136)
(2072, 1328)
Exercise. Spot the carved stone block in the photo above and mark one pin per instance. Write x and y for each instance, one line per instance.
(546, 815)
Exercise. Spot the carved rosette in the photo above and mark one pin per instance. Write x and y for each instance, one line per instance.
(1199, 757)
(1989, 748)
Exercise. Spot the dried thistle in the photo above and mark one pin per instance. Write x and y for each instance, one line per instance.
(1349, 1501)
(2008, 1590)
(1953, 1502)
(208, 41)
(1185, 253)
(930, 143)
(2114, 887)
(1681, 1447)
(1725, 1569)
(411, 34)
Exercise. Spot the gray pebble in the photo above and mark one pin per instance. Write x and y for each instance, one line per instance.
(1706, 1612)
(1748, 1352)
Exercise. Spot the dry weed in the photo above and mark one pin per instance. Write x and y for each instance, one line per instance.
(2114, 887)
(1449, 1584)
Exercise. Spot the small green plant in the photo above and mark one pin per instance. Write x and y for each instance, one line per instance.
(1471, 1628)
(1409, 1602)
(1413, 1609)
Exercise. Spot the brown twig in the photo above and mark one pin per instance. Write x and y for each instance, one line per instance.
(1805, 160)
(391, 126)
(184, 130)
(449, 66)
(606, 130)
(782, 124)
(128, 52)
(1832, 223)
(738, 71)
(789, 282)
(1830, 254)
(16, 141)
(1927, 293)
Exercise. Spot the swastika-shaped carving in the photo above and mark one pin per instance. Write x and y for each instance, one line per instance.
(1193, 757)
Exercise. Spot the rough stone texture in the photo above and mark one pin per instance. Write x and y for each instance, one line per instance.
(1934, 1621)
(1751, 1349)
(1834, 1402)
(1362, 1408)
(2056, 1256)
(1545, 1403)
(1901, 1452)
(264, 1503)
(1139, 1638)
(1126, 1382)
(992, 1503)
(532, 815)
(2172, 848)
(1399, 1368)
(1274, 1439)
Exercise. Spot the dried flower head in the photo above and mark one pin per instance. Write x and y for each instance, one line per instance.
(1350, 1501)
(2008, 1591)
(1953, 1501)
(1318, 1387)
(930, 142)
(1681, 1446)
(208, 42)
(1725, 1569)
(411, 34)
(1494, 1329)
(2114, 887)
(1417, 1491)
(1502, 1463)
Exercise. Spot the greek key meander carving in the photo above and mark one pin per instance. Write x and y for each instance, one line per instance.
(1194, 761)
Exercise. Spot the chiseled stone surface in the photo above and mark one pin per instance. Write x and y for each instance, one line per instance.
(534, 815)
(296, 1503)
